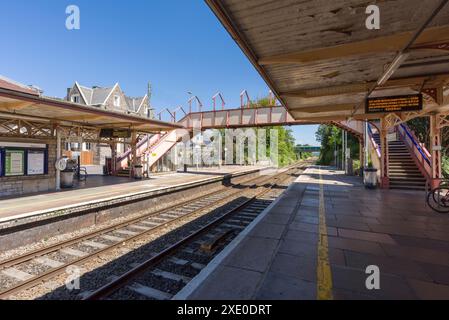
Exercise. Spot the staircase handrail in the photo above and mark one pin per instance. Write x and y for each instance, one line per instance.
(128, 151)
(158, 142)
(373, 142)
(423, 147)
(417, 150)
(422, 150)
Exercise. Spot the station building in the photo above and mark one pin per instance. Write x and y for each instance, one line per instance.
(35, 130)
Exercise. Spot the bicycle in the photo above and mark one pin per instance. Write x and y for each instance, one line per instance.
(438, 198)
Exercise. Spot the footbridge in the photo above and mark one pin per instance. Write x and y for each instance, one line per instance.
(405, 162)
(153, 148)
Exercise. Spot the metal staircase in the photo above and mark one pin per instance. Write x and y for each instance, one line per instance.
(403, 171)
(408, 160)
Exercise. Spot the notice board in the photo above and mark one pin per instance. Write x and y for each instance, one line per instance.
(36, 162)
(14, 162)
(404, 103)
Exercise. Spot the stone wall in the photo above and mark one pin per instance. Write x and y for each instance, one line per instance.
(19, 185)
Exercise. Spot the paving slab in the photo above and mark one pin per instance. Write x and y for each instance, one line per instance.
(349, 228)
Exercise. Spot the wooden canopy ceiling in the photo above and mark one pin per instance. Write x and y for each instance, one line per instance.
(321, 61)
(14, 104)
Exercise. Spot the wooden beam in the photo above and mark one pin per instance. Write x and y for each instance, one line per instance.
(390, 43)
(81, 117)
(10, 106)
(320, 119)
(324, 108)
(22, 138)
(430, 81)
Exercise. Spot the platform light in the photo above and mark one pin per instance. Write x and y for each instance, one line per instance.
(392, 68)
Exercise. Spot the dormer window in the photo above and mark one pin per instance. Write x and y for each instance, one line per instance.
(116, 101)
(75, 98)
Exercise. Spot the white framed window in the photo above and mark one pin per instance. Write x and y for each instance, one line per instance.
(87, 146)
(74, 146)
(116, 100)
(75, 98)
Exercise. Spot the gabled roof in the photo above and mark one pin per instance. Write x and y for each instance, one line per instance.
(99, 95)
(87, 93)
(17, 86)
(134, 104)
(96, 95)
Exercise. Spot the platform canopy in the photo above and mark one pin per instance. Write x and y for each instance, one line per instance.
(321, 60)
(23, 103)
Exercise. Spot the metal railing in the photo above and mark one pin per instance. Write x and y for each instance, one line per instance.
(420, 153)
(373, 142)
(128, 151)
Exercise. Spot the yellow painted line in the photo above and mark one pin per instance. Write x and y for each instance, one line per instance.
(324, 275)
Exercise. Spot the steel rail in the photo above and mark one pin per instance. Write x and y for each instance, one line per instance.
(58, 270)
(125, 278)
(39, 252)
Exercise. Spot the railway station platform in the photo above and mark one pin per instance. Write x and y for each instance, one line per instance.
(317, 240)
(107, 192)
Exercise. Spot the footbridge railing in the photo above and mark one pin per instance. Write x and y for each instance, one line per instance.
(375, 145)
(418, 151)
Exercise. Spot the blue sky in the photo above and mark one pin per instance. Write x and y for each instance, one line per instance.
(178, 45)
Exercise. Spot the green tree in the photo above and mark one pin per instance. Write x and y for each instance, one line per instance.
(421, 128)
(330, 138)
(286, 140)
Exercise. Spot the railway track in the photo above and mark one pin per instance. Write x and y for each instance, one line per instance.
(163, 275)
(36, 267)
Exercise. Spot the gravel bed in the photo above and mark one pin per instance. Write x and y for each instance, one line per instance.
(61, 257)
(116, 261)
(160, 283)
(194, 257)
(7, 282)
(103, 241)
(84, 248)
(59, 238)
(32, 267)
(185, 270)
(127, 294)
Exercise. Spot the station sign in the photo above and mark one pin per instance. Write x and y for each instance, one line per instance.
(115, 133)
(404, 103)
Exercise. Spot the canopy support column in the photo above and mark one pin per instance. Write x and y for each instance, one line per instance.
(343, 148)
(113, 157)
(435, 145)
(361, 153)
(58, 156)
(133, 152)
(384, 174)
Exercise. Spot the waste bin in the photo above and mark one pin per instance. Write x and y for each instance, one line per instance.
(68, 173)
(67, 179)
(138, 171)
(370, 178)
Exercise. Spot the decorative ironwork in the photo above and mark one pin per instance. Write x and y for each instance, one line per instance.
(25, 129)
(442, 120)
(432, 93)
